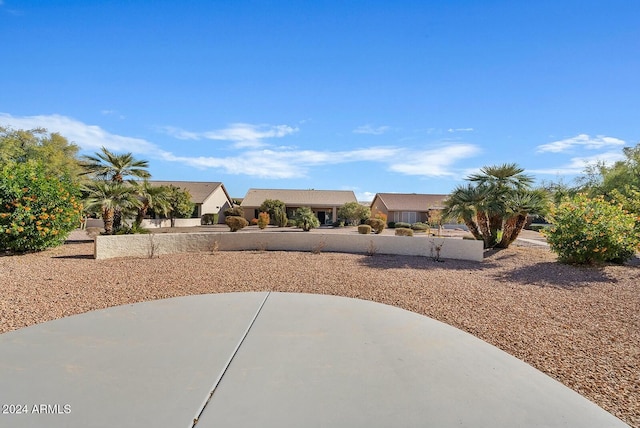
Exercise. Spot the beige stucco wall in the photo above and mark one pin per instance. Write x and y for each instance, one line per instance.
(216, 203)
(152, 245)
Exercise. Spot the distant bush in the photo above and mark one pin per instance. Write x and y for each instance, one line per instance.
(236, 223)
(403, 231)
(291, 222)
(381, 216)
(420, 227)
(210, 218)
(377, 225)
(306, 219)
(354, 213)
(235, 211)
(588, 231)
(280, 218)
(391, 224)
(263, 220)
(338, 223)
(364, 229)
(253, 222)
(403, 224)
(134, 229)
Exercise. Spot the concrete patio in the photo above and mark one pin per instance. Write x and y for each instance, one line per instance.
(272, 360)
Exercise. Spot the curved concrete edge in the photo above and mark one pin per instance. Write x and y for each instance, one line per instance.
(319, 361)
(308, 360)
(153, 245)
(147, 364)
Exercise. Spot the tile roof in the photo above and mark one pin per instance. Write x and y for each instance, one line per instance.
(418, 202)
(309, 198)
(199, 190)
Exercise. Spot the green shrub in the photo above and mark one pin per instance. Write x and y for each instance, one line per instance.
(134, 229)
(235, 211)
(420, 227)
(391, 224)
(306, 219)
(403, 231)
(588, 231)
(280, 218)
(403, 224)
(209, 219)
(377, 225)
(338, 223)
(364, 229)
(263, 220)
(37, 211)
(236, 223)
(291, 223)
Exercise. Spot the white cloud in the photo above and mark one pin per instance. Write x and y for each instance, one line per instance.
(88, 137)
(365, 196)
(452, 130)
(577, 165)
(368, 129)
(434, 162)
(242, 135)
(282, 162)
(582, 141)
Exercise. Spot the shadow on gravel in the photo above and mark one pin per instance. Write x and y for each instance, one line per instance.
(389, 261)
(554, 274)
(75, 256)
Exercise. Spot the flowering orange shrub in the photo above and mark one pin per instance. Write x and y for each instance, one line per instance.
(587, 231)
(263, 220)
(36, 211)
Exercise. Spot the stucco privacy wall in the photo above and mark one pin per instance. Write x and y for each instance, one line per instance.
(151, 245)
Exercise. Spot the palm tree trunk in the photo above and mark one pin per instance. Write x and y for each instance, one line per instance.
(513, 227)
(483, 225)
(142, 212)
(107, 218)
(472, 226)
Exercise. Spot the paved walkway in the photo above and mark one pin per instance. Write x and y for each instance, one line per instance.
(272, 360)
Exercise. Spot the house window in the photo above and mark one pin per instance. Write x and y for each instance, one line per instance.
(405, 216)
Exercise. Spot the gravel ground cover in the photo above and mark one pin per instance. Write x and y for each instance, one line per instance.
(578, 325)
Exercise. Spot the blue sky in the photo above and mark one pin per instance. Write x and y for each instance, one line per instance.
(371, 96)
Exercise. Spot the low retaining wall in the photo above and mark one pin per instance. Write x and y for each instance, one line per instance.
(153, 245)
(150, 223)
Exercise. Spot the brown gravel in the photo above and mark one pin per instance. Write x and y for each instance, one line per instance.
(579, 325)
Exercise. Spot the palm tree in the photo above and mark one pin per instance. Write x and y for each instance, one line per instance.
(496, 200)
(151, 197)
(110, 198)
(113, 167)
(461, 206)
(508, 176)
(521, 204)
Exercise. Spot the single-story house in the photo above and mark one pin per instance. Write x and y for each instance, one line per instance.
(209, 197)
(407, 207)
(324, 203)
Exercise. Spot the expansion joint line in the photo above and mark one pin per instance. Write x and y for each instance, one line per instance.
(228, 363)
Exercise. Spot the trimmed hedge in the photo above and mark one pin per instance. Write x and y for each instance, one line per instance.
(377, 225)
(403, 231)
(209, 218)
(421, 227)
(364, 229)
(236, 223)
